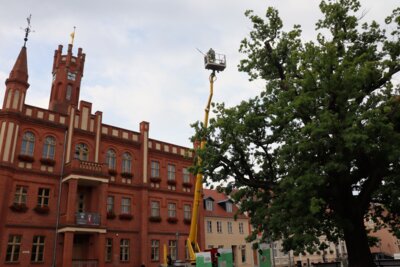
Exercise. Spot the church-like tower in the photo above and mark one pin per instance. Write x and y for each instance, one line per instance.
(67, 75)
(17, 84)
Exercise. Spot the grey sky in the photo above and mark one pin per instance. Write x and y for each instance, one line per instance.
(141, 57)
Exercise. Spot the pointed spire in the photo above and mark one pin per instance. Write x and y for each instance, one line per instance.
(20, 70)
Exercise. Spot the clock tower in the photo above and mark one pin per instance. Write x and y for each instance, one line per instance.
(67, 74)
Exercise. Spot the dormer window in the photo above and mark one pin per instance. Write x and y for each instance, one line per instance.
(209, 205)
(71, 76)
(228, 206)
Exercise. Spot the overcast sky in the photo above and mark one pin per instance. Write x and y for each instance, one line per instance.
(141, 57)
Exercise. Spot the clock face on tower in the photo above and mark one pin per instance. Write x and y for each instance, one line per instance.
(71, 76)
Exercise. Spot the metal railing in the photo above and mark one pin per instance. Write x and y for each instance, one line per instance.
(87, 218)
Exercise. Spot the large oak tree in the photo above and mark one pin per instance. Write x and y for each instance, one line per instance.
(318, 151)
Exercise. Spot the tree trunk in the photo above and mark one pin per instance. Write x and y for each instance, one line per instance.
(359, 254)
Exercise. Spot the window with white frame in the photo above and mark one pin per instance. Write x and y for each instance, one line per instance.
(126, 163)
(186, 175)
(13, 248)
(230, 231)
(187, 213)
(171, 172)
(209, 226)
(109, 249)
(82, 152)
(110, 203)
(28, 144)
(171, 210)
(241, 229)
(219, 227)
(155, 169)
(228, 206)
(37, 249)
(43, 197)
(209, 205)
(155, 209)
(124, 250)
(111, 159)
(155, 250)
(49, 147)
(125, 205)
(20, 194)
(172, 249)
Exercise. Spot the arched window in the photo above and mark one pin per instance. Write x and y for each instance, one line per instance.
(28, 144)
(49, 147)
(126, 163)
(81, 152)
(111, 159)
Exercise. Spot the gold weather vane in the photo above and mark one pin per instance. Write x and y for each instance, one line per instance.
(73, 36)
(27, 29)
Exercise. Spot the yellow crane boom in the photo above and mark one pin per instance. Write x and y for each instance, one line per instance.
(214, 62)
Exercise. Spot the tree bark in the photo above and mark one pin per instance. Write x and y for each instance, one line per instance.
(359, 254)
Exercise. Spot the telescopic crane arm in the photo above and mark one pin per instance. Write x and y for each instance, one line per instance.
(214, 62)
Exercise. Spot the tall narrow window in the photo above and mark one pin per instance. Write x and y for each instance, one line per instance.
(172, 249)
(124, 250)
(49, 147)
(16, 99)
(219, 227)
(186, 175)
(125, 205)
(155, 250)
(171, 210)
(230, 228)
(69, 92)
(111, 159)
(13, 248)
(241, 230)
(155, 168)
(187, 213)
(110, 203)
(209, 226)
(109, 249)
(20, 194)
(43, 197)
(126, 163)
(81, 152)
(28, 144)
(37, 248)
(155, 209)
(171, 172)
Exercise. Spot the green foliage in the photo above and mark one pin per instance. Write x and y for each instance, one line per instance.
(310, 154)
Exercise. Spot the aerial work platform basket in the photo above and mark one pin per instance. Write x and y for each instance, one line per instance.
(213, 61)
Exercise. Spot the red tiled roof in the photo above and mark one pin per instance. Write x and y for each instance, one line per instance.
(219, 210)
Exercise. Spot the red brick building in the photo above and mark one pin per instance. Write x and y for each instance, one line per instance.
(76, 191)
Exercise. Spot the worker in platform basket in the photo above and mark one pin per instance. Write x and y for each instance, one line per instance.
(211, 55)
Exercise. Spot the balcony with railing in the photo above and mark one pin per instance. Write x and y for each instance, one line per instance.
(87, 218)
(87, 168)
(84, 263)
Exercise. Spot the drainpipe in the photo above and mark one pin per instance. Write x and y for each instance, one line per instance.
(59, 201)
